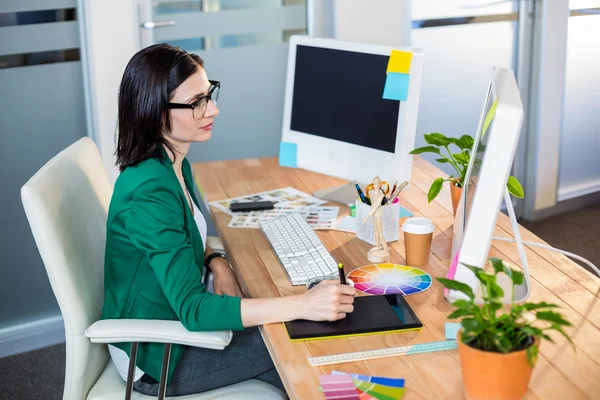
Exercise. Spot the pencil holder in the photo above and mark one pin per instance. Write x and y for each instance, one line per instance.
(390, 222)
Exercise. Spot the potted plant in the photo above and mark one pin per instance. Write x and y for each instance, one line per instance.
(498, 346)
(460, 162)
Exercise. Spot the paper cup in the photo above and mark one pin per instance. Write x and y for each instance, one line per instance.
(418, 233)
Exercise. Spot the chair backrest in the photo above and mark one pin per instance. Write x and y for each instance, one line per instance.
(66, 203)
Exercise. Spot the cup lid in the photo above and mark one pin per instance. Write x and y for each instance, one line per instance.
(419, 226)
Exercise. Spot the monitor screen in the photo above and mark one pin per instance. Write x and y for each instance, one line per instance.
(477, 153)
(472, 177)
(337, 95)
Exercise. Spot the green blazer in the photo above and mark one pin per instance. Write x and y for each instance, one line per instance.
(154, 258)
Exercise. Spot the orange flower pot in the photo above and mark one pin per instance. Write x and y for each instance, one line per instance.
(455, 192)
(494, 376)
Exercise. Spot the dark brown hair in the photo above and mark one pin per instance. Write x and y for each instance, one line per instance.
(148, 83)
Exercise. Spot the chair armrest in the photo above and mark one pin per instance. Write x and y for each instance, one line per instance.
(215, 243)
(156, 331)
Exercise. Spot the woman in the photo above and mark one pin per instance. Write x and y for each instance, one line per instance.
(155, 243)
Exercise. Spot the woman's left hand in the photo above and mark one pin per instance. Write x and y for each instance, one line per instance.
(225, 281)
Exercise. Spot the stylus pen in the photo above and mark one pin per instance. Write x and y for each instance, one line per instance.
(341, 271)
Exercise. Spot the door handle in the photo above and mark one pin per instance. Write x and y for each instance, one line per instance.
(157, 24)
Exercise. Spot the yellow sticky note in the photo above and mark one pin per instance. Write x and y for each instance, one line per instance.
(399, 62)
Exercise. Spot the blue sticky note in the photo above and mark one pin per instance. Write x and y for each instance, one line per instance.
(287, 154)
(396, 86)
(451, 330)
(404, 213)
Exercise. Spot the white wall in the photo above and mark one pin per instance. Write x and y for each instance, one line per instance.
(109, 37)
(384, 22)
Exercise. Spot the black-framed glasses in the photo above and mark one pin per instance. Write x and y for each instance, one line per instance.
(199, 106)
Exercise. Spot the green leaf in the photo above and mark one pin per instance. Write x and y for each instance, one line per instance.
(463, 304)
(497, 264)
(461, 158)
(495, 290)
(465, 142)
(442, 160)
(517, 276)
(514, 187)
(552, 317)
(532, 330)
(461, 312)
(435, 188)
(500, 266)
(471, 326)
(560, 329)
(437, 139)
(532, 354)
(458, 286)
(489, 117)
(535, 306)
(425, 149)
(496, 303)
(503, 344)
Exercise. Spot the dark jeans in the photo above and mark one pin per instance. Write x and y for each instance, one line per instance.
(200, 369)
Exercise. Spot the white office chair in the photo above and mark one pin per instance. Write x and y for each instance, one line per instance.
(66, 203)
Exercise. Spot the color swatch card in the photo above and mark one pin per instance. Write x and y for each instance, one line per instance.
(387, 278)
(379, 392)
(316, 217)
(393, 382)
(372, 387)
(338, 387)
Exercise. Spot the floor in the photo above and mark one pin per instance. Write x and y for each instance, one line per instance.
(37, 375)
(40, 374)
(577, 232)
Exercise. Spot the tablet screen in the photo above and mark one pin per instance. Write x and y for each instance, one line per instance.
(372, 314)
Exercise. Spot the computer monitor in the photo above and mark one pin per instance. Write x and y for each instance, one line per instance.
(485, 185)
(335, 112)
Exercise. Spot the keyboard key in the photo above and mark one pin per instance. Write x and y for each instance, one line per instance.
(298, 248)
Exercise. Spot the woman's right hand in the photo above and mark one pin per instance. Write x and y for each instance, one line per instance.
(328, 301)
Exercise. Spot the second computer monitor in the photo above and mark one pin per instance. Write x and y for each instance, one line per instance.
(336, 115)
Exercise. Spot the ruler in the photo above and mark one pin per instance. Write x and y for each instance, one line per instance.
(382, 353)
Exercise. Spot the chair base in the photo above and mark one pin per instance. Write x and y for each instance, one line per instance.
(110, 386)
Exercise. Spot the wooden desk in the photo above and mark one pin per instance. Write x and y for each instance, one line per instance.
(560, 373)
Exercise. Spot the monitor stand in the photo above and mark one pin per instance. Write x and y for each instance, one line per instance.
(344, 194)
(523, 290)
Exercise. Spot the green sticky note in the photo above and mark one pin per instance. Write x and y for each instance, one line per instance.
(288, 154)
(396, 86)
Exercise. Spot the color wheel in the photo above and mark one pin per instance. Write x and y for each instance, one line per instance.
(388, 278)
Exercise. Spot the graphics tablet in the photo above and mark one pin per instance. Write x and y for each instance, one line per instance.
(372, 314)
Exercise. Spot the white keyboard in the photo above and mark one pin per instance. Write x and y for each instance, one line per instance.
(298, 248)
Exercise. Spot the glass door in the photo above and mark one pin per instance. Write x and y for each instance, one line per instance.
(579, 169)
(244, 45)
(562, 166)
(462, 40)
